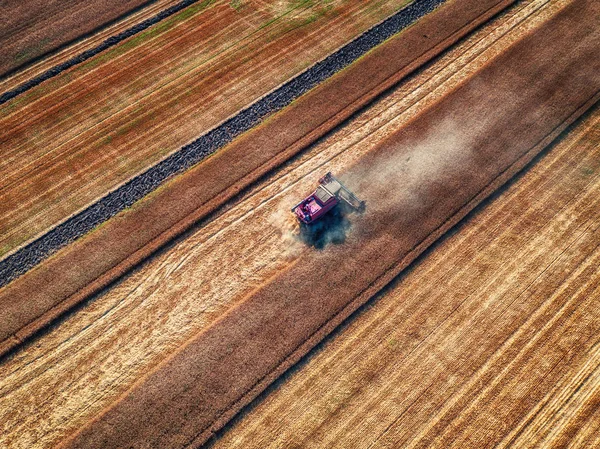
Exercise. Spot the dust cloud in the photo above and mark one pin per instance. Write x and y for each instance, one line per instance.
(396, 178)
(404, 177)
(287, 227)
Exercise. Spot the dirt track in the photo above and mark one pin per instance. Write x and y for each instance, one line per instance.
(491, 340)
(450, 158)
(82, 365)
(33, 28)
(74, 138)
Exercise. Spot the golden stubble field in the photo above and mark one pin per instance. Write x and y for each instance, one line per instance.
(490, 340)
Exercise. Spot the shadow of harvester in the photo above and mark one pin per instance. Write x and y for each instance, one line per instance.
(332, 228)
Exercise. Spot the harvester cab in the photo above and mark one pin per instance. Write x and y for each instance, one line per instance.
(328, 195)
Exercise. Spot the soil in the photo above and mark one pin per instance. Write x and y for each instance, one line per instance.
(418, 182)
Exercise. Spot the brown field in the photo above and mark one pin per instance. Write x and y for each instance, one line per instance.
(82, 44)
(33, 28)
(76, 137)
(93, 262)
(88, 360)
(492, 340)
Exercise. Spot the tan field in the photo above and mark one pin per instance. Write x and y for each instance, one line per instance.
(34, 28)
(481, 342)
(82, 43)
(419, 181)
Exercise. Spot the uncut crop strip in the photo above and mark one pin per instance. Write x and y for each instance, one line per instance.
(108, 206)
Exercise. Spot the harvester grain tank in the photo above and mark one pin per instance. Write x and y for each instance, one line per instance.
(328, 195)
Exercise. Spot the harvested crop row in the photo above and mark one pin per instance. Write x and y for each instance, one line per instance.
(34, 28)
(449, 159)
(431, 358)
(100, 350)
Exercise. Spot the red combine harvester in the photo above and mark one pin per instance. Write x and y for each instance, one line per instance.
(328, 195)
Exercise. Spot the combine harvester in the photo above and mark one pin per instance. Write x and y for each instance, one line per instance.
(328, 195)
